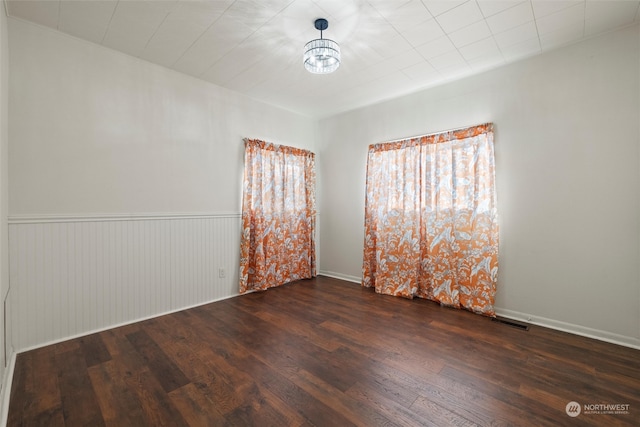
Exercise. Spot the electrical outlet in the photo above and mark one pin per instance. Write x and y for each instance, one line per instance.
(222, 273)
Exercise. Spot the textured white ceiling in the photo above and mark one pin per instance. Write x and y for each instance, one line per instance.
(389, 47)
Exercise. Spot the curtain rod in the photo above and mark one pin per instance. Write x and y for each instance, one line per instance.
(432, 133)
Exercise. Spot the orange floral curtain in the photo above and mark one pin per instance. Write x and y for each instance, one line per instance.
(431, 228)
(278, 216)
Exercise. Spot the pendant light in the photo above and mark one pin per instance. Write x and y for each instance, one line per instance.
(321, 56)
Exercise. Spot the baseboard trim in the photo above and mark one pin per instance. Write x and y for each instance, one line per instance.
(129, 322)
(6, 390)
(354, 279)
(570, 328)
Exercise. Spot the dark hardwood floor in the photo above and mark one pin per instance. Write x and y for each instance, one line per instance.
(324, 352)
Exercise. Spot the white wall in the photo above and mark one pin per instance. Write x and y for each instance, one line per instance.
(568, 180)
(97, 131)
(4, 188)
(125, 185)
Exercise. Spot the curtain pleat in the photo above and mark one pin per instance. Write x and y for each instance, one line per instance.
(431, 227)
(278, 216)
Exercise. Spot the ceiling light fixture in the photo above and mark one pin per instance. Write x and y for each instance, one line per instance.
(321, 56)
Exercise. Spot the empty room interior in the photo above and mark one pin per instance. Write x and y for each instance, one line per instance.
(320, 212)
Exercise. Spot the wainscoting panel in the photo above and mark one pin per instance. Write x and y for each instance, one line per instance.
(72, 276)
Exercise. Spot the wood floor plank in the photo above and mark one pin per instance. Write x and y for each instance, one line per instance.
(291, 415)
(473, 396)
(95, 352)
(389, 408)
(39, 387)
(435, 411)
(165, 371)
(314, 410)
(119, 405)
(157, 407)
(297, 326)
(196, 408)
(79, 403)
(199, 364)
(323, 352)
(357, 412)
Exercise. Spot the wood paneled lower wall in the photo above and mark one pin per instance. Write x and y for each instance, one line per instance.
(71, 276)
(325, 352)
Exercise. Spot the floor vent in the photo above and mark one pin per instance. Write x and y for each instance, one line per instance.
(512, 323)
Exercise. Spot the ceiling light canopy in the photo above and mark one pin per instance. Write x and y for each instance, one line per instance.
(321, 56)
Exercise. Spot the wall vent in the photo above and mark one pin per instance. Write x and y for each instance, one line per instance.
(512, 323)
